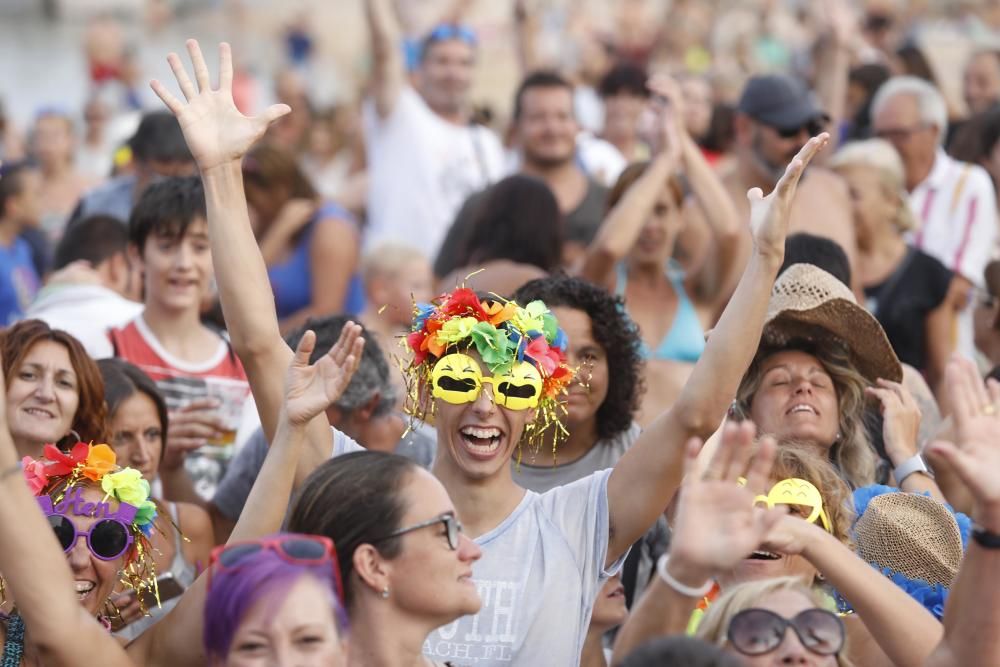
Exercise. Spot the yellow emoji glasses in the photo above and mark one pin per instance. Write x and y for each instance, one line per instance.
(457, 379)
(795, 491)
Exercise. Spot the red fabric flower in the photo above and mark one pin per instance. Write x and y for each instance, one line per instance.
(63, 464)
(560, 379)
(463, 302)
(416, 342)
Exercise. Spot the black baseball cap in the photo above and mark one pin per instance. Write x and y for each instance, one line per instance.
(780, 101)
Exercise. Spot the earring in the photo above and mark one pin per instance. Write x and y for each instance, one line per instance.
(385, 593)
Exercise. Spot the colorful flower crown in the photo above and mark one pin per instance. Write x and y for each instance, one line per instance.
(504, 334)
(56, 477)
(59, 471)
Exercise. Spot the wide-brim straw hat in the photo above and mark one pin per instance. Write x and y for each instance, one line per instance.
(911, 534)
(808, 303)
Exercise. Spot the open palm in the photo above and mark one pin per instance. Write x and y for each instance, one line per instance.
(215, 130)
(769, 215)
(312, 388)
(975, 454)
(717, 523)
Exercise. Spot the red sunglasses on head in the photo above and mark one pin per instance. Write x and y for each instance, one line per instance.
(294, 548)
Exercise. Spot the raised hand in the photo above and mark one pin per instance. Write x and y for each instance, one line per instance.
(312, 388)
(975, 455)
(900, 420)
(215, 130)
(717, 522)
(769, 215)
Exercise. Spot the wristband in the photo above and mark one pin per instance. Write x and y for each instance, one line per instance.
(911, 465)
(985, 538)
(687, 591)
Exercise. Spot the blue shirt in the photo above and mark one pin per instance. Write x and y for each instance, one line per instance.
(291, 279)
(18, 280)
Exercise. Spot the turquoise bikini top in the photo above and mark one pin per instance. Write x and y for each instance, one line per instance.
(686, 339)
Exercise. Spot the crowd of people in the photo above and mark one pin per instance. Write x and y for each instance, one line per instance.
(693, 358)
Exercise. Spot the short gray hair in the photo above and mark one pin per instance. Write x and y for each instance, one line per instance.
(930, 102)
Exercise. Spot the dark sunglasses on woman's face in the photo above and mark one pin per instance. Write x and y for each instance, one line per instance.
(451, 523)
(107, 539)
(760, 631)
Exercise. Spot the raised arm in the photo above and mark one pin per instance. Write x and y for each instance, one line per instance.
(308, 390)
(218, 136)
(834, 60)
(388, 68)
(717, 525)
(900, 626)
(972, 616)
(38, 577)
(646, 478)
(711, 203)
(621, 228)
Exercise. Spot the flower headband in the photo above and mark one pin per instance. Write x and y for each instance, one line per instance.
(57, 479)
(97, 463)
(504, 334)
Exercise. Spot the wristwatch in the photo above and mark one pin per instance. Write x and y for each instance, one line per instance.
(911, 465)
(985, 538)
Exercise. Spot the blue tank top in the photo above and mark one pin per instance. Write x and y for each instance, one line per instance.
(291, 279)
(686, 340)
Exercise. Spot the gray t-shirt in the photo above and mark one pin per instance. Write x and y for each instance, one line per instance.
(539, 575)
(605, 454)
(232, 492)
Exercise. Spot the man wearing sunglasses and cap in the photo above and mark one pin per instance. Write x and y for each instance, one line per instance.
(775, 117)
(425, 155)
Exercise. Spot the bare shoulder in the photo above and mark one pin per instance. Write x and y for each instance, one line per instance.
(819, 178)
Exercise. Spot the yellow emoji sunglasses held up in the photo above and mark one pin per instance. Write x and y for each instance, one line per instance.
(458, 379)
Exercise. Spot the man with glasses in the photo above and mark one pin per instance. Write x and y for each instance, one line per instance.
(954, 202)
(425, 155)
(775, 117)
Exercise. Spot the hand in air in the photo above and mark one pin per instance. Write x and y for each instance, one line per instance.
(769, 215)
(215, 130)
(975, 455)
(312, 388)
(718, 523)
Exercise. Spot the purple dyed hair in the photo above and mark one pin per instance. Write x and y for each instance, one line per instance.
(261, 576)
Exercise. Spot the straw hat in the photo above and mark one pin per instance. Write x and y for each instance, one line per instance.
(911, 534)
(809, 303)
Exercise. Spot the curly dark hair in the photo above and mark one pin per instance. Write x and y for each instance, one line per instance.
(612, 330)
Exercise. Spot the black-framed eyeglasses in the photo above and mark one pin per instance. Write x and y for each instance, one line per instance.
(812, 128)
(760, 631)
(899, 133)
(453, 527)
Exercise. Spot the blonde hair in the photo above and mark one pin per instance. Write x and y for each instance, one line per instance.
(799, 460)
(852, 453)
(879, 154)
(386, 259)
(715, 624)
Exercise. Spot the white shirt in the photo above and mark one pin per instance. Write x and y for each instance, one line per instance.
(421, 169)
(955, 207)
(86, 312)
(539, 575)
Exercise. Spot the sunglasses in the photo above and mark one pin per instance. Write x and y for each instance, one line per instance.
(451, 31)
(457, 379)
(812, 128)
(452, 526)
(759, 631)
(107, 539)
(294, 549)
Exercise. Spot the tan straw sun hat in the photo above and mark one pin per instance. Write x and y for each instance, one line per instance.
(809, 303)
(911, 534)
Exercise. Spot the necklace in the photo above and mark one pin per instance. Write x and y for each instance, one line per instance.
(13, 648)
